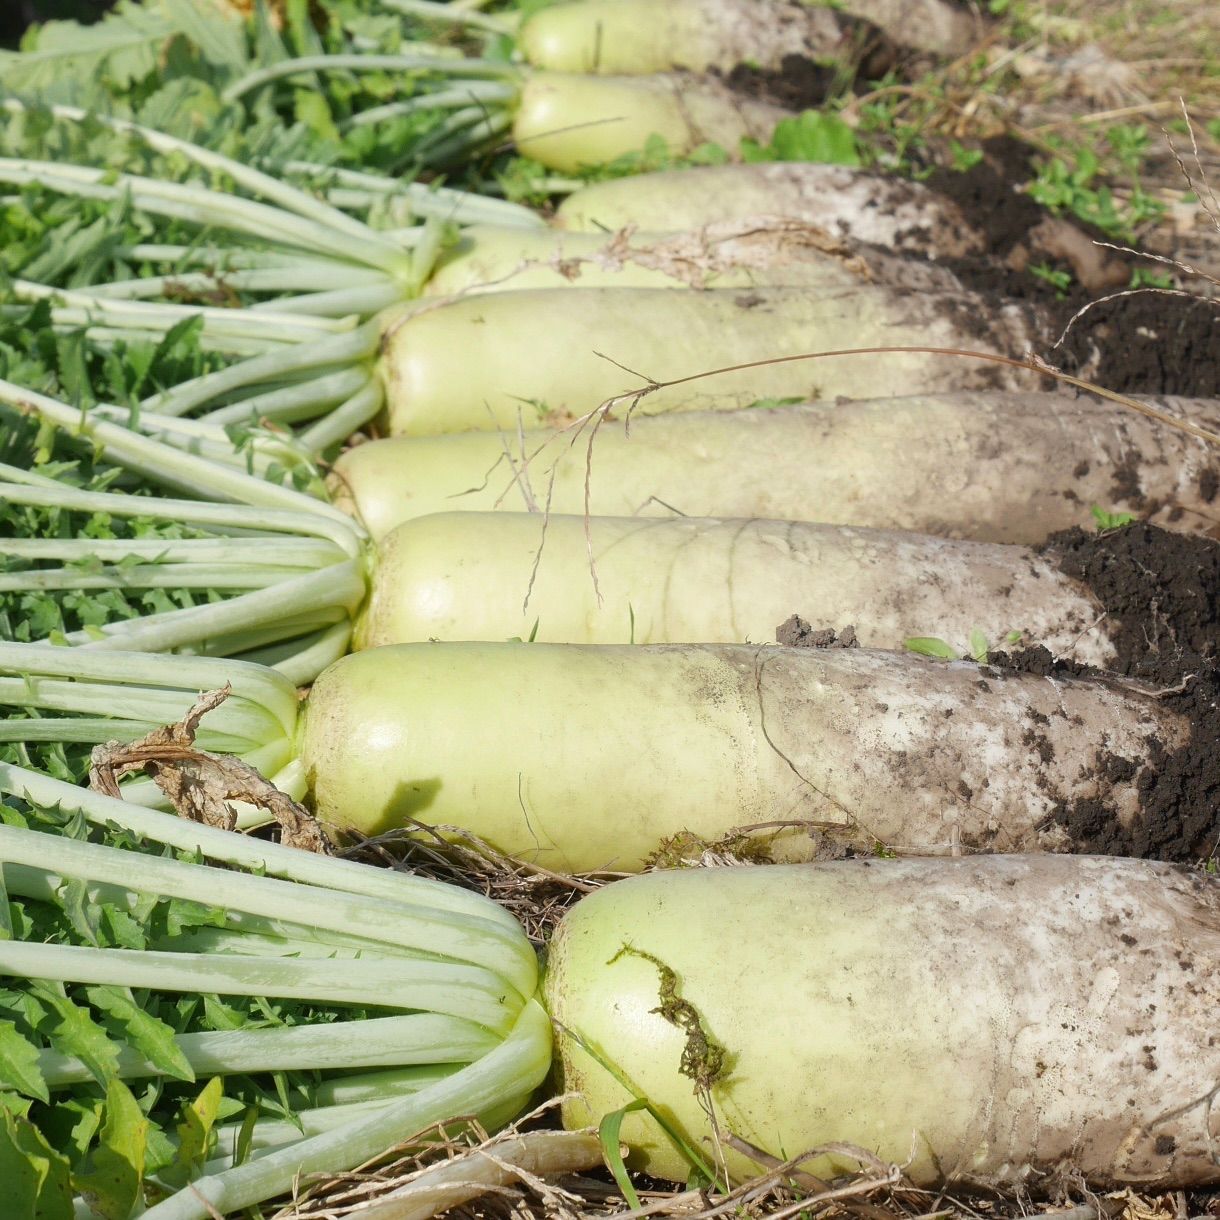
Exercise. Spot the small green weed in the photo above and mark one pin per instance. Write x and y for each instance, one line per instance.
(1107, 521)
(1071, 182)
(1058, 278)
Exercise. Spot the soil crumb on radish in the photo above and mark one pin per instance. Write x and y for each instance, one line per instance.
(796, 632)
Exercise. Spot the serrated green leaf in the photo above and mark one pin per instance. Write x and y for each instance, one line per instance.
(147, 1033)
(195, 1134)
(218, 36)
(123, 46)
(930, 646)
(82, 914)
(19, 1069)
(113, 1184)
(34, 1178)
(77, 1033)
(124, 931)
(14, 1103)
(78, 1121)
(815, 136)
(312, 109)
(221, 1016)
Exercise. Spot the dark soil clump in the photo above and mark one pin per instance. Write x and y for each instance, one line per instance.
(1147, 343)
(987, 194)
(1179, 790)
(1159, 591)
(798, 84)
(795, 632)
(1039, 661)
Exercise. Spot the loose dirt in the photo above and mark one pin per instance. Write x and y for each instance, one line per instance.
(1146, 342)
(1179, 790)
(1159, 591)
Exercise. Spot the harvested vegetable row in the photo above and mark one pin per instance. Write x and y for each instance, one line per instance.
(836, 747)
(994, 467)
(569, 120)
(408, 1003)
(868, 207)
(301, 579)
(649, 1010)
(304, 356)
(1063, 1010)
(647, 36)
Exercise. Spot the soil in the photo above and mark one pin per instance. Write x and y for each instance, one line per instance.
(798, 83)
(801, 83)
(1147, 342)
(985, 193)
(1160, 592)
(795, 632)
(1179, 790)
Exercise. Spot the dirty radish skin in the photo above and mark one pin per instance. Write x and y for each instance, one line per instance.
(994, 467)
(512, 741)
(570, 122)
(638, 36)
(466, 576)
(890, 212)
(760, 252)
(614, 339)
(1063, 1010)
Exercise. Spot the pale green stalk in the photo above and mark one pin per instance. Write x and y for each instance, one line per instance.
(417, 1038)
(478, 92)
(336, 427)
(218, 576)
(451, 14)
(457, 67)
(157, 317)
(238, 850)
(261, 184)
(163, 463)
(425, 199)
(360, 302)
(209, 209)
(464, 133)
(304, 660)
(237, 258)
(339, 589)
(300, 553)
(141, 706)
(513, 1069)
(342, 533)
(257, 279)
(251, 685)
(86, 731)
(302, 400)
(482, 949)
(342, 350)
